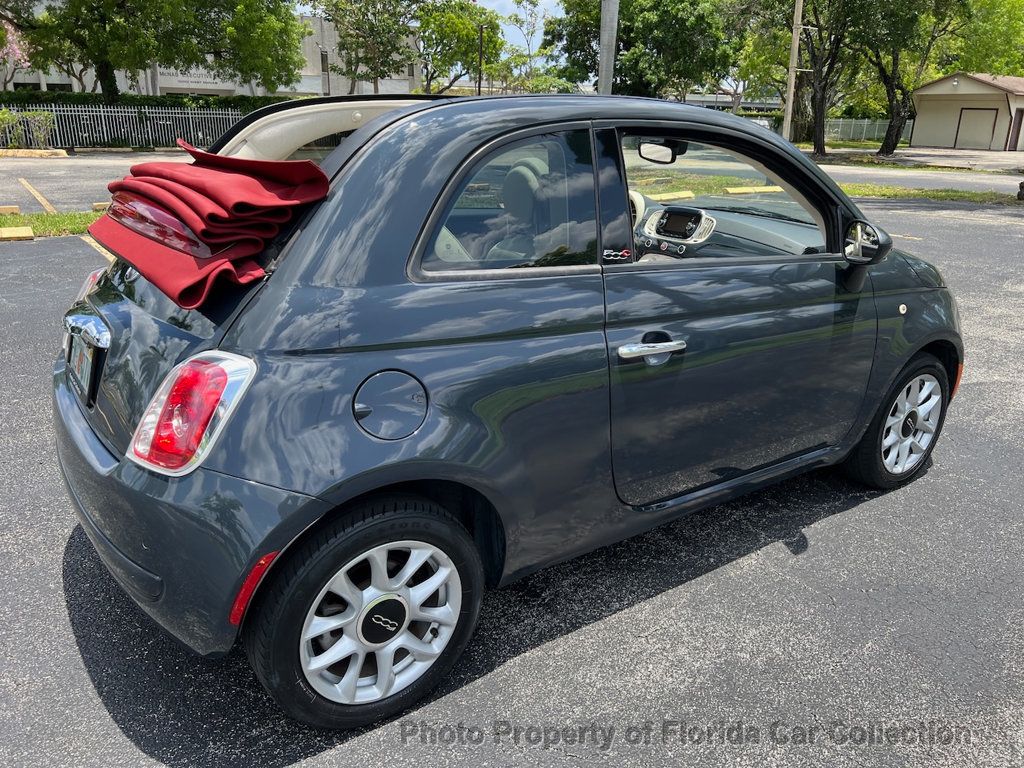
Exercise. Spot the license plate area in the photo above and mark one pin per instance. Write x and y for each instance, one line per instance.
(81, 366)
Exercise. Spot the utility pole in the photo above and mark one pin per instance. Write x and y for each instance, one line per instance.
(480, 60)
(606, 53)
(794, 57)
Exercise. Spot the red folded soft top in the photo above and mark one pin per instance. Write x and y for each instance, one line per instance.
(183, 226)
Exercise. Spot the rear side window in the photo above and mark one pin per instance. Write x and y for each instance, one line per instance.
(527, 204)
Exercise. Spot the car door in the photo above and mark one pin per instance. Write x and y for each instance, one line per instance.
(757, 352)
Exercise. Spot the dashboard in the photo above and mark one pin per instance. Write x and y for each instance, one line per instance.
(666, 233)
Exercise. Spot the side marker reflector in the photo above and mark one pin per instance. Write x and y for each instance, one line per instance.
(956, 384)
(245, 593)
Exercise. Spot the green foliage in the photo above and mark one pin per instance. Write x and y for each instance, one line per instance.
(664, 46)
(892, 192)
(373, 36)
(992, 41)
(864, 99)
(243, 104)
(253, 40)
(900, 41)
(524, 68)
(761, 61)
(34, 130)
(26, 130)
(8, 120)
(448, 41)
(261, 42)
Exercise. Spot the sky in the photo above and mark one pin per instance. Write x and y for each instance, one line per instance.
(505, 7)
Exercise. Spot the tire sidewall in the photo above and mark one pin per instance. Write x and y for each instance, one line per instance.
(291, 688)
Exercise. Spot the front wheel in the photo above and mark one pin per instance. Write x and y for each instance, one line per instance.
(901, 437)
(368, 615)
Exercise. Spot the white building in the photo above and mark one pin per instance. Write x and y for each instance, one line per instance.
(320, 50)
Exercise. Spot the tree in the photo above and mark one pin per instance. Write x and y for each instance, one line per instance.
(664, 46)
(526, 68)
(761, 61)
(252, 40)
(828, 64)
(899, 40)
(53, 50)
(827, 25)
(373, 37)
(14, 54)
(992, 41)
(448, 41)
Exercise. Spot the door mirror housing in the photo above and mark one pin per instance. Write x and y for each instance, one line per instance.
(866, 243)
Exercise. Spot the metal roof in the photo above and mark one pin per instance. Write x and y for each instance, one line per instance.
(1007, 83)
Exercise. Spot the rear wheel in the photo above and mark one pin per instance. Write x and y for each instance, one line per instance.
(368, 615)
(901, 437)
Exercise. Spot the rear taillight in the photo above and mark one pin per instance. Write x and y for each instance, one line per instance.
(156, 223)
(90, 282)
(189, 411)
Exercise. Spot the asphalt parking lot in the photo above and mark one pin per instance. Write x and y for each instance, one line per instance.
(70, 183)
(812, 615)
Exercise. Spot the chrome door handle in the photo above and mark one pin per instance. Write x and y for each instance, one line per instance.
(656, 350)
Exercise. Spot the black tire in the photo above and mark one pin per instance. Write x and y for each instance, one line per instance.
(865, 463)
(272, 630)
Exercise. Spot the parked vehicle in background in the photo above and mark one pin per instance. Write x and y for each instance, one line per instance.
(517, 329)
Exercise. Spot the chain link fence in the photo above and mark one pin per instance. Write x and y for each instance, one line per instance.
(848, 129)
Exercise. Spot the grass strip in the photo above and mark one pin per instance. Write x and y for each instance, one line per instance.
(52, 224)
(893, 192)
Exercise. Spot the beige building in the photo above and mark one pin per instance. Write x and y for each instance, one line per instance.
(319, 49)
(970, 111)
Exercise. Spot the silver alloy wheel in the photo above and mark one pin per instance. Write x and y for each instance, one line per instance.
(911, 424)
(380, 622)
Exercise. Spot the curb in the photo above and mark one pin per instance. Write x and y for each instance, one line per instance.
(661, 197)
(33, 153)
(751, 190)
(16, 233)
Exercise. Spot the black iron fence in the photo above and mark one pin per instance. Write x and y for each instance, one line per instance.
(74, 125)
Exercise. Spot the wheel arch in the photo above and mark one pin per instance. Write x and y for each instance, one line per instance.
(468, 504)
(949, 355)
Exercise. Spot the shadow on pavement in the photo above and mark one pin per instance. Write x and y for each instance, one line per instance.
(184, 710)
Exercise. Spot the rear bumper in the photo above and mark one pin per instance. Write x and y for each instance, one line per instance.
(180, 547)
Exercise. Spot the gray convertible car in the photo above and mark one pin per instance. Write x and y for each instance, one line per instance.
(516, 329)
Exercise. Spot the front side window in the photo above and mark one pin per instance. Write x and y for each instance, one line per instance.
(690, 199)
(527, 204)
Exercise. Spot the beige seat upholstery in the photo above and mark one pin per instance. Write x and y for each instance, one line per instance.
(520, 194)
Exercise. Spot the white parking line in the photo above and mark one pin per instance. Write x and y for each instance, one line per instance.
(99, 248)
(47, 206)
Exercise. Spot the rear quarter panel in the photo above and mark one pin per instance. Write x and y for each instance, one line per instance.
(517, 389)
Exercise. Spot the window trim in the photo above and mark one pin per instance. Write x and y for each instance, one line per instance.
(435, 219)
(832, 209)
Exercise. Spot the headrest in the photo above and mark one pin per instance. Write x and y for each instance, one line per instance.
(520, 192)
(535, 164)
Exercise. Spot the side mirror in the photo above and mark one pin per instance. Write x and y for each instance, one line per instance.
(660, 152)
(866, 243)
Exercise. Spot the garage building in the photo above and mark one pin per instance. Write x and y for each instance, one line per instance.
(970, 111)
